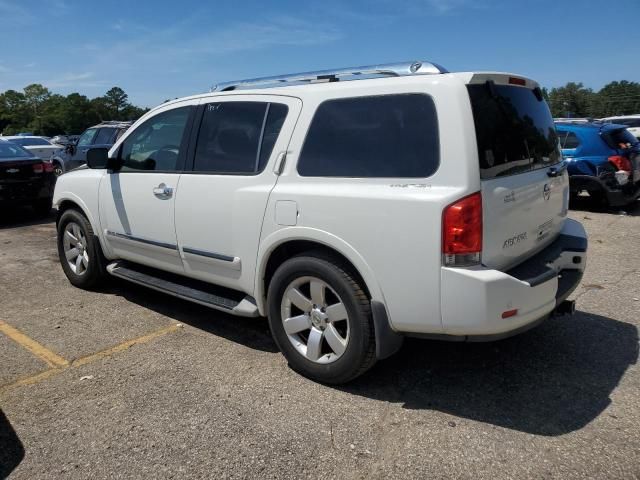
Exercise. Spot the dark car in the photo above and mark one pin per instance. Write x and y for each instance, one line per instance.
(25, 179)
(102, 135)
(603, 159)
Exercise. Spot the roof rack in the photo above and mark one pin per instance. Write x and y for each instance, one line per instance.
(390, 70)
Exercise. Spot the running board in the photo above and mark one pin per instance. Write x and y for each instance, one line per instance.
(212, 296)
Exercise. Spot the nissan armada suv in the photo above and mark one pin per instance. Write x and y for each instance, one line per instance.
(351, 207)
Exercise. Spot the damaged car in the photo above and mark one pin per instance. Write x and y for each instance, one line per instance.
(603, 159)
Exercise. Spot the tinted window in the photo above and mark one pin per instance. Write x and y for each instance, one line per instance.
(237, 137)
(29, 142)
(9, 150)
(156, 144)
(104, 136)
(382, 136)
(571, 141)
(514, 130)
(87, 137)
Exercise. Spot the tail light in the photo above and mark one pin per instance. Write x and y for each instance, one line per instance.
(38, 168)
(462, 232)
(48, 167)
(621, 163)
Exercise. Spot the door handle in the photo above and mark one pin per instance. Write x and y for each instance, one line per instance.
(163, 192)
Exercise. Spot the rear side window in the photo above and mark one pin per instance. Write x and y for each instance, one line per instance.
(238, 137)
(104, 136)
(514, 130)
(87, 137)
(367, 137)
(571, 141)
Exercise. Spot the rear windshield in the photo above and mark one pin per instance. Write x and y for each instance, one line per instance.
(514, 130)
(8, 150)
(620, 138)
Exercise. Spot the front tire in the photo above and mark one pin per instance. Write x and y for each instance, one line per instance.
(320, 318)
(79, 251)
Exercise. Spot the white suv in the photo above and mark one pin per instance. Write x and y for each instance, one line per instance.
(351, 207)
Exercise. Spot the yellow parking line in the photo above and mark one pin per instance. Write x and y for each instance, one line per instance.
(52, 359)
(80, 361)
(124, 346)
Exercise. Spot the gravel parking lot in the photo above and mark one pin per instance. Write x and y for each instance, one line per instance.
(129, 383)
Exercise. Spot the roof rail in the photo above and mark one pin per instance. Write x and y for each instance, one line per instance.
(390, 70)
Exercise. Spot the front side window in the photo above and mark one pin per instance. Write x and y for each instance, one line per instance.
(104, 136)
(369, 137)
(87, 137)
(155, 145)
(238, 137)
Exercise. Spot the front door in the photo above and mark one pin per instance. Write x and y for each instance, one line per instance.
(137, 202)
(222, 201)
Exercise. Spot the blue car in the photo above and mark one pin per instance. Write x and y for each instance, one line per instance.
(603, 159)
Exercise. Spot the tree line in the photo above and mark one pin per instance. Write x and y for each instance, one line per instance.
(575, 100)
(36, 109)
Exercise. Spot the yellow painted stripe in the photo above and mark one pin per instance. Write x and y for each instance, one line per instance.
(124, 346)
(51, 358)
(88, 359)
(32, 379)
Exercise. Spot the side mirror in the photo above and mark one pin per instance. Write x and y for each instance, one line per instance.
(99, 158)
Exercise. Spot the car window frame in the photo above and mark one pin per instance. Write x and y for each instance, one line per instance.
(564, 143)
(184, 143)
(197, 125)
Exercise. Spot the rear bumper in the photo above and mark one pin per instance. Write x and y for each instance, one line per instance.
(26, 192)
(616, 195)
(475, 299)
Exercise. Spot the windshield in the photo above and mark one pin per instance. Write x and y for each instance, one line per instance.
(514, 129)
(9, 150)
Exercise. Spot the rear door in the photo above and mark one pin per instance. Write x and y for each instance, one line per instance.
(525, 187)
(221, 203)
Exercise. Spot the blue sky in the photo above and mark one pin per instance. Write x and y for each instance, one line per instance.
(164, 49)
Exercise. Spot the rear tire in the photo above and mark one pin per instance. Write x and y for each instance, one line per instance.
(329, 333)
(79, 251)
(57, 169)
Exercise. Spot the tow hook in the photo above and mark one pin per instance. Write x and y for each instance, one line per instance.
(566, 307)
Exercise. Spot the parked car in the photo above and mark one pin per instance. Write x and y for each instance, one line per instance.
(351, 213)
(75, 154)
(39, 146)
(24, 178)
(632, 122)
(603, 159)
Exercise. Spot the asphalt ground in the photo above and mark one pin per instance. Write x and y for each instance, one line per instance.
(128, 383)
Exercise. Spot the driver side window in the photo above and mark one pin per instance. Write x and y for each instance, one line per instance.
(155, 145)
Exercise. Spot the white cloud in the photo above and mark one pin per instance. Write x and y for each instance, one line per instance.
(75, 80)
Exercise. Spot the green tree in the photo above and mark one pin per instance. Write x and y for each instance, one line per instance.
(116, 100)
(35, 96)
(572, 100)
(618, 98)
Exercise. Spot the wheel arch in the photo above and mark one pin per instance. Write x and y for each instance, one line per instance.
(71, 201)
(289, 242)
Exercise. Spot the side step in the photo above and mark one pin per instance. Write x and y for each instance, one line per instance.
(212, 296)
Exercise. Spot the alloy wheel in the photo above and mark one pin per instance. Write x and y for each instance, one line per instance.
(315, 320)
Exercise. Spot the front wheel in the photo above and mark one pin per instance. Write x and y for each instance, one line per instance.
(79, 251)
(320, 318)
